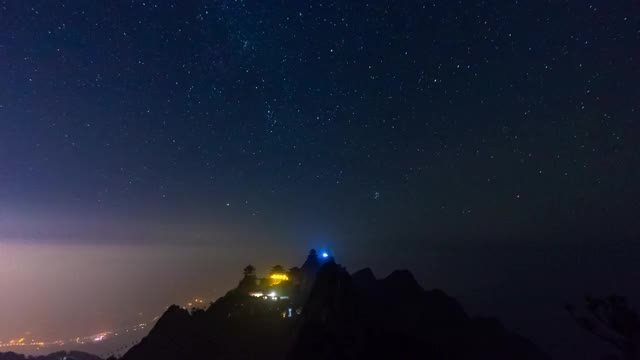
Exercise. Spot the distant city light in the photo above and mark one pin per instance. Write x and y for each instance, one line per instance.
(96, 338)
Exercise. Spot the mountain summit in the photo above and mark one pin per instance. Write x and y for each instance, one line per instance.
(335, 315)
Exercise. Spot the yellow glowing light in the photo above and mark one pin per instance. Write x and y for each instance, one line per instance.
(279, 277)
(21, 341)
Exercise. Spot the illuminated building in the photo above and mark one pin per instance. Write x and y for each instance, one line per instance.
(281, 284)
(277, 278)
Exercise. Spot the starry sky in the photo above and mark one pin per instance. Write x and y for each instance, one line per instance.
(443, 136)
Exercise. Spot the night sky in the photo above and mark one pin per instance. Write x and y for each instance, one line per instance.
(484, 145)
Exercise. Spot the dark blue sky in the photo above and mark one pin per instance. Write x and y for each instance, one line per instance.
(350, 114)
(369, 126)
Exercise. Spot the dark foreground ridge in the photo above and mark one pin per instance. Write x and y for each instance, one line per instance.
(320, 311)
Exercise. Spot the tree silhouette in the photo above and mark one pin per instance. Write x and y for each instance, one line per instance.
(277, 269)
(613, 321)
(250, 270)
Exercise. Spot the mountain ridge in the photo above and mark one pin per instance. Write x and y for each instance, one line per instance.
(320, 312)
(341, 316)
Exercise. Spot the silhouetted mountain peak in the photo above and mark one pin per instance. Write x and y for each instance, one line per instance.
(402, 282)
(174, 317)
(364, 278)
(332, 290)
(332, 315)
(359, 317)
(312, 263)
